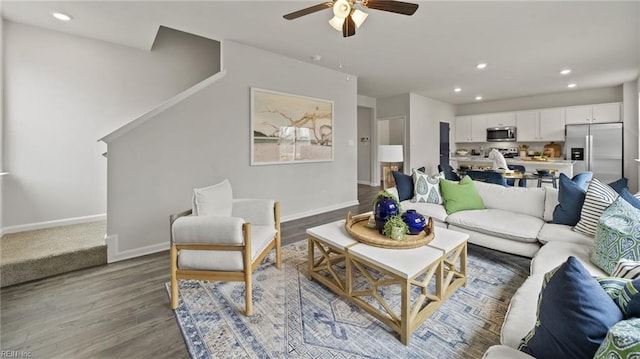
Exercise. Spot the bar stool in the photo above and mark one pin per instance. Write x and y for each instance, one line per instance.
(550, 178)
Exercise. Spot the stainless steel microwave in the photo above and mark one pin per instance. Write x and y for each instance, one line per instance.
(501, 134)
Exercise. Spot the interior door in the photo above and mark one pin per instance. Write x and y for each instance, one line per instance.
(444, 143)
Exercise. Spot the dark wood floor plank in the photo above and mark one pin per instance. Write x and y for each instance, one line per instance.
(120, 310)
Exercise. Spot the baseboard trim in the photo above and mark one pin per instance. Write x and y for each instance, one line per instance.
(372, 184)
(115, 255)
(50, 224)
(318, 211)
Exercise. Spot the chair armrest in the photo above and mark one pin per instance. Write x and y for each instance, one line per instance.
(255, 211)
(173, 217)
(207, 230)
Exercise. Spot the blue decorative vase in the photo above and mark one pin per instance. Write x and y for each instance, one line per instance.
(414, 220)
(384, 209)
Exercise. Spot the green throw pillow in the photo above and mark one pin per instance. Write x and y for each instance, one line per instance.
(617, 236)
(460, 196)
(622, 341)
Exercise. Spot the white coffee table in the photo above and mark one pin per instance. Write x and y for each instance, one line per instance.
(335, 259)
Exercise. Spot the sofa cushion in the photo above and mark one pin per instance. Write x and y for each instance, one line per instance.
(570, 200)
(622, 341)
(426, 189)
(626, 268)
(599, 196)
(624, 292)
(504, 352)
(618, 235)
(216, 200)
(521, 315)
(513, 199)
(552, 232)
(574, 315)
(550, 202)
(499, 223)
(436, 211)
(554, 254)
(460, 196)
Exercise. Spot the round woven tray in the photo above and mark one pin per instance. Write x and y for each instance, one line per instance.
(356, 227)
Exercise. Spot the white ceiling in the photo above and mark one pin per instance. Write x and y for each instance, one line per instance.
(526, 44)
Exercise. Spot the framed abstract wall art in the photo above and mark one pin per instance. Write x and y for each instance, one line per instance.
(288, 128)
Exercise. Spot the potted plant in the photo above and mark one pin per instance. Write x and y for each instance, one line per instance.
(385, 205)
(395, 228)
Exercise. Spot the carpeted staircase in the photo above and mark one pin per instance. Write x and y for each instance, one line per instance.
(31, 255)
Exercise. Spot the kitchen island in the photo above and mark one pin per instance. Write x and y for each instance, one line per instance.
(560, 165)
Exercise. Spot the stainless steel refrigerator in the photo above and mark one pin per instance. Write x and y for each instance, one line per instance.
(596, 148)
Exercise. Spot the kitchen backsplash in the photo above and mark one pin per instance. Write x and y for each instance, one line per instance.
(487, 146)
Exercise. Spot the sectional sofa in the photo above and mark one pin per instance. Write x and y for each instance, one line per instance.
(515, 221)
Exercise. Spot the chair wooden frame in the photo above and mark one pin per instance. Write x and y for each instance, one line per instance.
(241, 276)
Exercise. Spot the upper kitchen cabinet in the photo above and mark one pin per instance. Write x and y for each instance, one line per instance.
(471, 128)
(552, 123)
(501, 119)
(540, 125)
(605, 112)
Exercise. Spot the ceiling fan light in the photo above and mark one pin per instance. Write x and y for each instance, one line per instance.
(359, 17)
(341, 9)
(336, 23)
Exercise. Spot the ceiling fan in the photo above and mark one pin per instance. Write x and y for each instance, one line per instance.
(347, 18)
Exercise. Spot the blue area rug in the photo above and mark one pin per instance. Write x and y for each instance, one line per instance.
(297, 318)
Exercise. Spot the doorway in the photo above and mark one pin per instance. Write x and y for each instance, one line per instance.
(444, 143)
(364, 147)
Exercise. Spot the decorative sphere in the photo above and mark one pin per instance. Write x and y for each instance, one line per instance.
(414, 220)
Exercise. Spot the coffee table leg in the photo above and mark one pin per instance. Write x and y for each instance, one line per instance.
(310, 249)
(405, 323)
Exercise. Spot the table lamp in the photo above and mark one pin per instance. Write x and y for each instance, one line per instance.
(389, 154)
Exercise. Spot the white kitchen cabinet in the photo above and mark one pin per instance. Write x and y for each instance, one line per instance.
(528, 126)
(471, 128)
(540, 125)
(501, 119)
(600, 113)
(552, 123)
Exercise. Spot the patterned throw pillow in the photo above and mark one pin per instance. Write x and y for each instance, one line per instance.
(426, 189)
(618, 236)
(573, 317)
(599, 197)
(624, 293)
(622, 341)
(627, 269)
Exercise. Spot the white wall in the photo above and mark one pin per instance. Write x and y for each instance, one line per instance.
(64, 92)
(558, 99)
(630, 136)
(1, 116)
(206, 138)
(424, 130)
(364, 147)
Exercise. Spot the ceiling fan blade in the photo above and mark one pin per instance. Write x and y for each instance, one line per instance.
(348, 27)
(398, 7)
(309, 10)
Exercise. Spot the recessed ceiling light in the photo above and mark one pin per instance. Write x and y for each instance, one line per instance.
(478, 98)
(61, 16)
(565, 72)
(571, 86)
(481, 66)
(457, 89)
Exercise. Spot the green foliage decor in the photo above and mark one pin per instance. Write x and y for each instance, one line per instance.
(395, 222)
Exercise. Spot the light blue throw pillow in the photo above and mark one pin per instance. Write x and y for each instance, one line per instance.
(617, 235)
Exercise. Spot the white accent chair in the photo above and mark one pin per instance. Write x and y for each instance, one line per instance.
(223, 239)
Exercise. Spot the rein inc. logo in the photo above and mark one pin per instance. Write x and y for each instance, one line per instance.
(15, 354)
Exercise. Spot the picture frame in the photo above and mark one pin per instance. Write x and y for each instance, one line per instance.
(288, 128)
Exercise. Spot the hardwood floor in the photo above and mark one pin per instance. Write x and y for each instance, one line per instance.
(119, 310)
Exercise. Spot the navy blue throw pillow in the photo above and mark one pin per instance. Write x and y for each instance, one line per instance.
(404, 184)
(574, 315)
(619, 184)
(570, 198)
(627, 196)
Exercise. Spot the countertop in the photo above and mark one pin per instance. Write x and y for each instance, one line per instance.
(513, 161)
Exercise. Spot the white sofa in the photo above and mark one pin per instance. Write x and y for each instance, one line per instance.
(515, 221)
